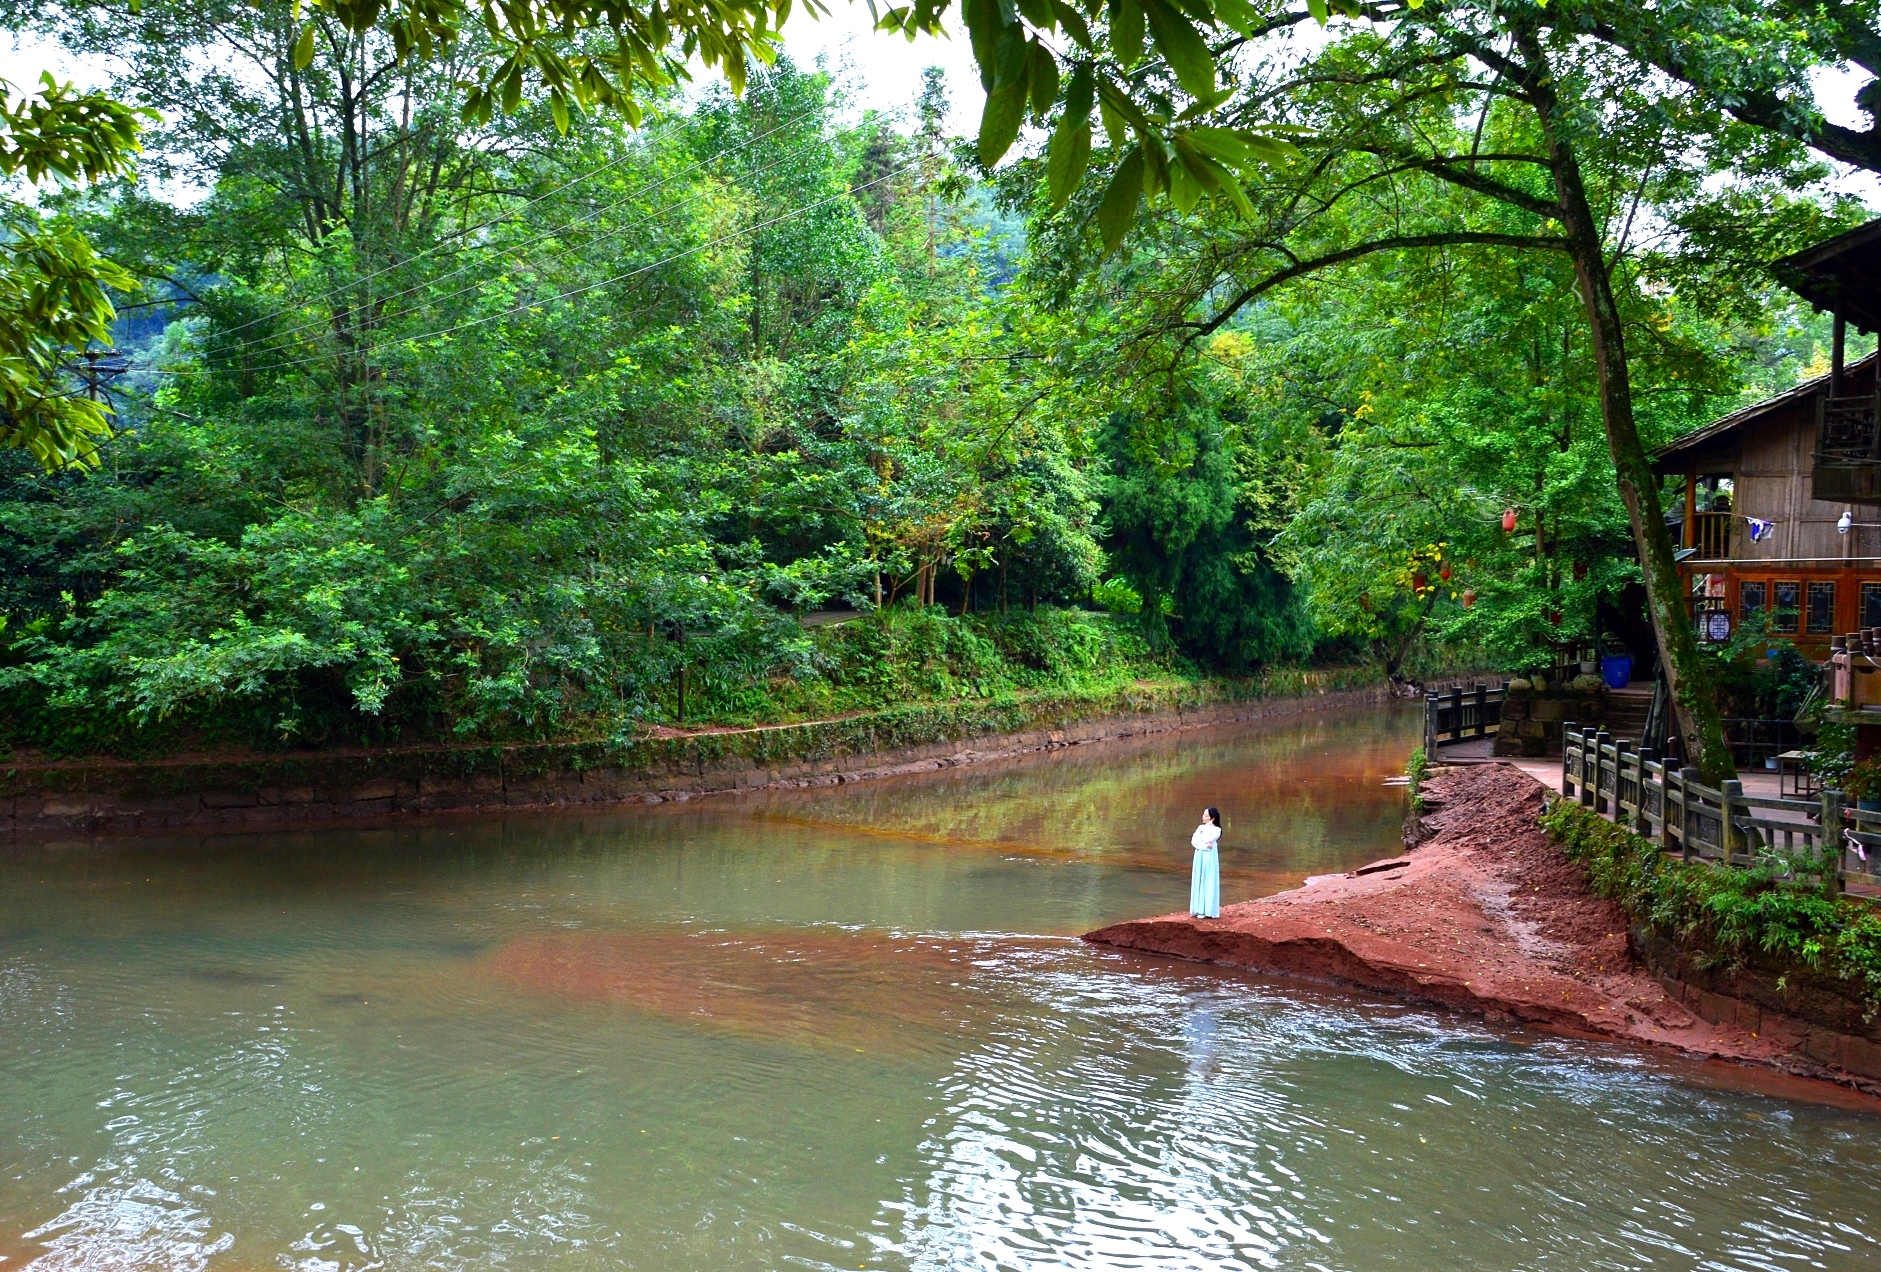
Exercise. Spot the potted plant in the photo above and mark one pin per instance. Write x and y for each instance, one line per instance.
(1863, 784)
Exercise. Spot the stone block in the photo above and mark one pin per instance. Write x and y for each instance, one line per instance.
(1716, 1008)
(1823, 1047)
(1861, 1056)
(1551, 709)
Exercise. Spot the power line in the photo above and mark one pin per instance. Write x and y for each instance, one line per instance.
(518, 210)
(570, 294)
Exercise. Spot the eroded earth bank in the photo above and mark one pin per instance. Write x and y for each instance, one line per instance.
(1488, 915)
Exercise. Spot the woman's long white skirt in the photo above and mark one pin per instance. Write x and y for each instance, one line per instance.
(1205, 884)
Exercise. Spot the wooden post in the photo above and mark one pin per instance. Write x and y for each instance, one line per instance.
(1621, 770)
(1482, 709)
(1835, 849)
(1645, 824)
(1838, 344)
(1569, 731)
(1874, 423)
(1430, 727)
(1456, 711)
(1685, 814)
(1732, 792)
(1603, 791)
(1691, 504)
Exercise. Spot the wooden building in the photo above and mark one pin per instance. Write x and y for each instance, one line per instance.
(1782, 500)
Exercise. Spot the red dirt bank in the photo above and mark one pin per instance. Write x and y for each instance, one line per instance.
(1487, 916)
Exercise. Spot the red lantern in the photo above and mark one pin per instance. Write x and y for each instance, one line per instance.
(1580, 571)
(1444, 573)
(1508, 520)
(1554, 616)
(1419, 582)
(1469, 597)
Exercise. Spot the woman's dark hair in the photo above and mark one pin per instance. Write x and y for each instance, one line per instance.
(1213, 814)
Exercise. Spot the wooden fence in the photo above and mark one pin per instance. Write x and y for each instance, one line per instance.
(1461, 714)
(1666, 803)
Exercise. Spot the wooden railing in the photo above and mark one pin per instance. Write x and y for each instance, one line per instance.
(1462, 714)
(1711, 535)
(1669, 806)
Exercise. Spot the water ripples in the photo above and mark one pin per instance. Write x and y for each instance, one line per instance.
(701, 1039)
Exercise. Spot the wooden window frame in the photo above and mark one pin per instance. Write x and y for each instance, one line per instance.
(1866, 588)
(1786, 622)
(1811, 589)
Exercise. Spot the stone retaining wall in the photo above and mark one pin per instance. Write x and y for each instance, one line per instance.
(1831, 1028)
(1531, 721)
(98, 797)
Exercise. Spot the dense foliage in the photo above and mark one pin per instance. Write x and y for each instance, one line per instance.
(457, 419)
(1774, 914)
(506, 433)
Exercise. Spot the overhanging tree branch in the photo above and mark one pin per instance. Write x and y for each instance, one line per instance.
(1393, 243)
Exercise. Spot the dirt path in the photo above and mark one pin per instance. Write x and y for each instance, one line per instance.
(1486, 916)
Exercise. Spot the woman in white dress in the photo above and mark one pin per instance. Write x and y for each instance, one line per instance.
(1205, 878)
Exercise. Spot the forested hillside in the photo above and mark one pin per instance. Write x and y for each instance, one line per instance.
(443, 422)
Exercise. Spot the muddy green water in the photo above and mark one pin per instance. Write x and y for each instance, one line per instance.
(842, 1028)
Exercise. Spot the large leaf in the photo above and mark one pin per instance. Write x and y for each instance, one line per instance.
(1079, 92)
(1043, 79)
(1073, 23)
(1227, 183)
(1116, 127)
(999, 122)
(1239, 16)
(1117, 212)
(1011, 57)
(304, 47)
(1185, 189)
(1126, 32)
(1182, 46)
(1239, 146)
(1066, 159)
(984, 27)
(1155, 162)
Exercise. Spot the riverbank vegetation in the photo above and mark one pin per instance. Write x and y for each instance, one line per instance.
(1775, 915)
(469, 388)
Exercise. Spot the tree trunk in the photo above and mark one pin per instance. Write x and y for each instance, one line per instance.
(1686, 675)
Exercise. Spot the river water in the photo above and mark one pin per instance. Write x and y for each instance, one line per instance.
(839, 1028)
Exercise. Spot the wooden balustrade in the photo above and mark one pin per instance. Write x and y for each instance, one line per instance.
(1669, 806)
(1460, 714)
(1711, 535)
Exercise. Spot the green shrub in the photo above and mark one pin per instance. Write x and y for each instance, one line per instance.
(1417, 769)
(1769, 912)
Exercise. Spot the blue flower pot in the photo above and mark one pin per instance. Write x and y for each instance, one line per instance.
(1617, 670)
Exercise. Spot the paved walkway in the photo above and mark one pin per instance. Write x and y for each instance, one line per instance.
(1548, 771)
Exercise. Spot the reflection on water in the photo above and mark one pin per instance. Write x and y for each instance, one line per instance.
(842, 1028)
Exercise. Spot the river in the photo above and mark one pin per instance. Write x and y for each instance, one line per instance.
(847, 1027)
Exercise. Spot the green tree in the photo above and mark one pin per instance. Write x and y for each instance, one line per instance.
(55, 290)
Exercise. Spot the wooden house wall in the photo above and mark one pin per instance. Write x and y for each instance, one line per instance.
(1771, 480)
